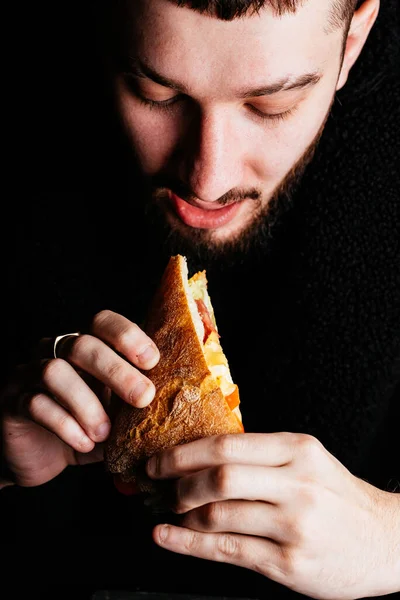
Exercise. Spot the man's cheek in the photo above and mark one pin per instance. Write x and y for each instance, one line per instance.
(152, 143)
(295, 140)
(152, 153)
(279, 158)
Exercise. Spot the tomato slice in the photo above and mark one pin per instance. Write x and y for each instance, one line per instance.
(128, 489)
(206, 318)
(233, 399)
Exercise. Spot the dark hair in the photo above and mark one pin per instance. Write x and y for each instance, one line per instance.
(227, 10)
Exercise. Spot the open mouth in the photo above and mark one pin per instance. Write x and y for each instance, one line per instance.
(203, 218)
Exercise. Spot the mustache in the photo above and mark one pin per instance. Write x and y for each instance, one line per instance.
(162, 182)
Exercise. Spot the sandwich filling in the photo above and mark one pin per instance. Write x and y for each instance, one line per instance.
(206, 328)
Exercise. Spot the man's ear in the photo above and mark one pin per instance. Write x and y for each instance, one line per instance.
(361, 25)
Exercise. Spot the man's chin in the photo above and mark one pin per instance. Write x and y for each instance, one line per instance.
(250, 230)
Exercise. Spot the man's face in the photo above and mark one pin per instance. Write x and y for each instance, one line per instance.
(221, 114)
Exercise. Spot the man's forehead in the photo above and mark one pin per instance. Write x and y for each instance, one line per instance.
(174, 39)
(146, 18)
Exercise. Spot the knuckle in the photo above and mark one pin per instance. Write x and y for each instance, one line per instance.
(81, 344)
(228, 545)
(129, 335)
(100, 319)
(181, 496)
(191, 541)
(310, 451)
(211, 515)
(35, 405)
(52, 369)
(175, 458)
(114, 370)
(289, 438)
(295, 530)
(309, 445)
(284, 566)
(227, 446)
(307, 496)
(223, 480)
(63, 425)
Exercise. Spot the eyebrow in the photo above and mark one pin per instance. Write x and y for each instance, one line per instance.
(140, 69)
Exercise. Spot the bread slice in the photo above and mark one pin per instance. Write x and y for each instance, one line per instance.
(195, 394)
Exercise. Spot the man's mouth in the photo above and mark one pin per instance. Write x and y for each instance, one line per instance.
(203, 217)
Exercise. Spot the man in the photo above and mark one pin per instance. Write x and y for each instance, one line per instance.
(229, 110)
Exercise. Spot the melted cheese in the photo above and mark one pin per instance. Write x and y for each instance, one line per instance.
(214, 355)
(218, 365)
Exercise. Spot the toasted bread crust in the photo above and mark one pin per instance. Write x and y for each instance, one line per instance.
(189, 403)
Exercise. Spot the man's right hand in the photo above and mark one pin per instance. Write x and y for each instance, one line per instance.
(54, 411)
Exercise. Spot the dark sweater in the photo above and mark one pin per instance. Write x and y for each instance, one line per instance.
(311, 325)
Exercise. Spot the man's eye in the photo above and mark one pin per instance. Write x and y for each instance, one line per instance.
(133, 86)
(166, 105)
(282, 116)
(161, 104)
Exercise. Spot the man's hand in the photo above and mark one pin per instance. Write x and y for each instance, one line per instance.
(281, 505)
(54, 411)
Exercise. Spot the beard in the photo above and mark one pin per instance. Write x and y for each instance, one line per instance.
(198, 244)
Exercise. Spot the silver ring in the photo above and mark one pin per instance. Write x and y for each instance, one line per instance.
(61, 337)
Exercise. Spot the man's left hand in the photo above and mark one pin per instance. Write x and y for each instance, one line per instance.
(280, 504)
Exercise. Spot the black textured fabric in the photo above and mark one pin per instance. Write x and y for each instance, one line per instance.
(311, 328)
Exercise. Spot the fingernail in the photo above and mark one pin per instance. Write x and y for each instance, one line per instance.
(149, 356)
(163, 533)
(142, 394)
(103, 430)
(86, 444)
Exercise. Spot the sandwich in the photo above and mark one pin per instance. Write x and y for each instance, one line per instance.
(195, 394)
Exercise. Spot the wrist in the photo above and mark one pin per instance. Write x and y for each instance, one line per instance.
(390, 509)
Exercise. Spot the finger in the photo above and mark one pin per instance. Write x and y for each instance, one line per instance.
(99, 360)
(53, 417)
(232, 482)
(270, 449)
(102, 392)
(127, 338)
(233, 516)
(260, 555)
(70, 390)
(88, 458)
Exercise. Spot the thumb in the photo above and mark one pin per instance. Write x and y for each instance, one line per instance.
(95, 456)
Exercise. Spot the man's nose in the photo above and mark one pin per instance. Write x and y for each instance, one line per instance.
(212, 159)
